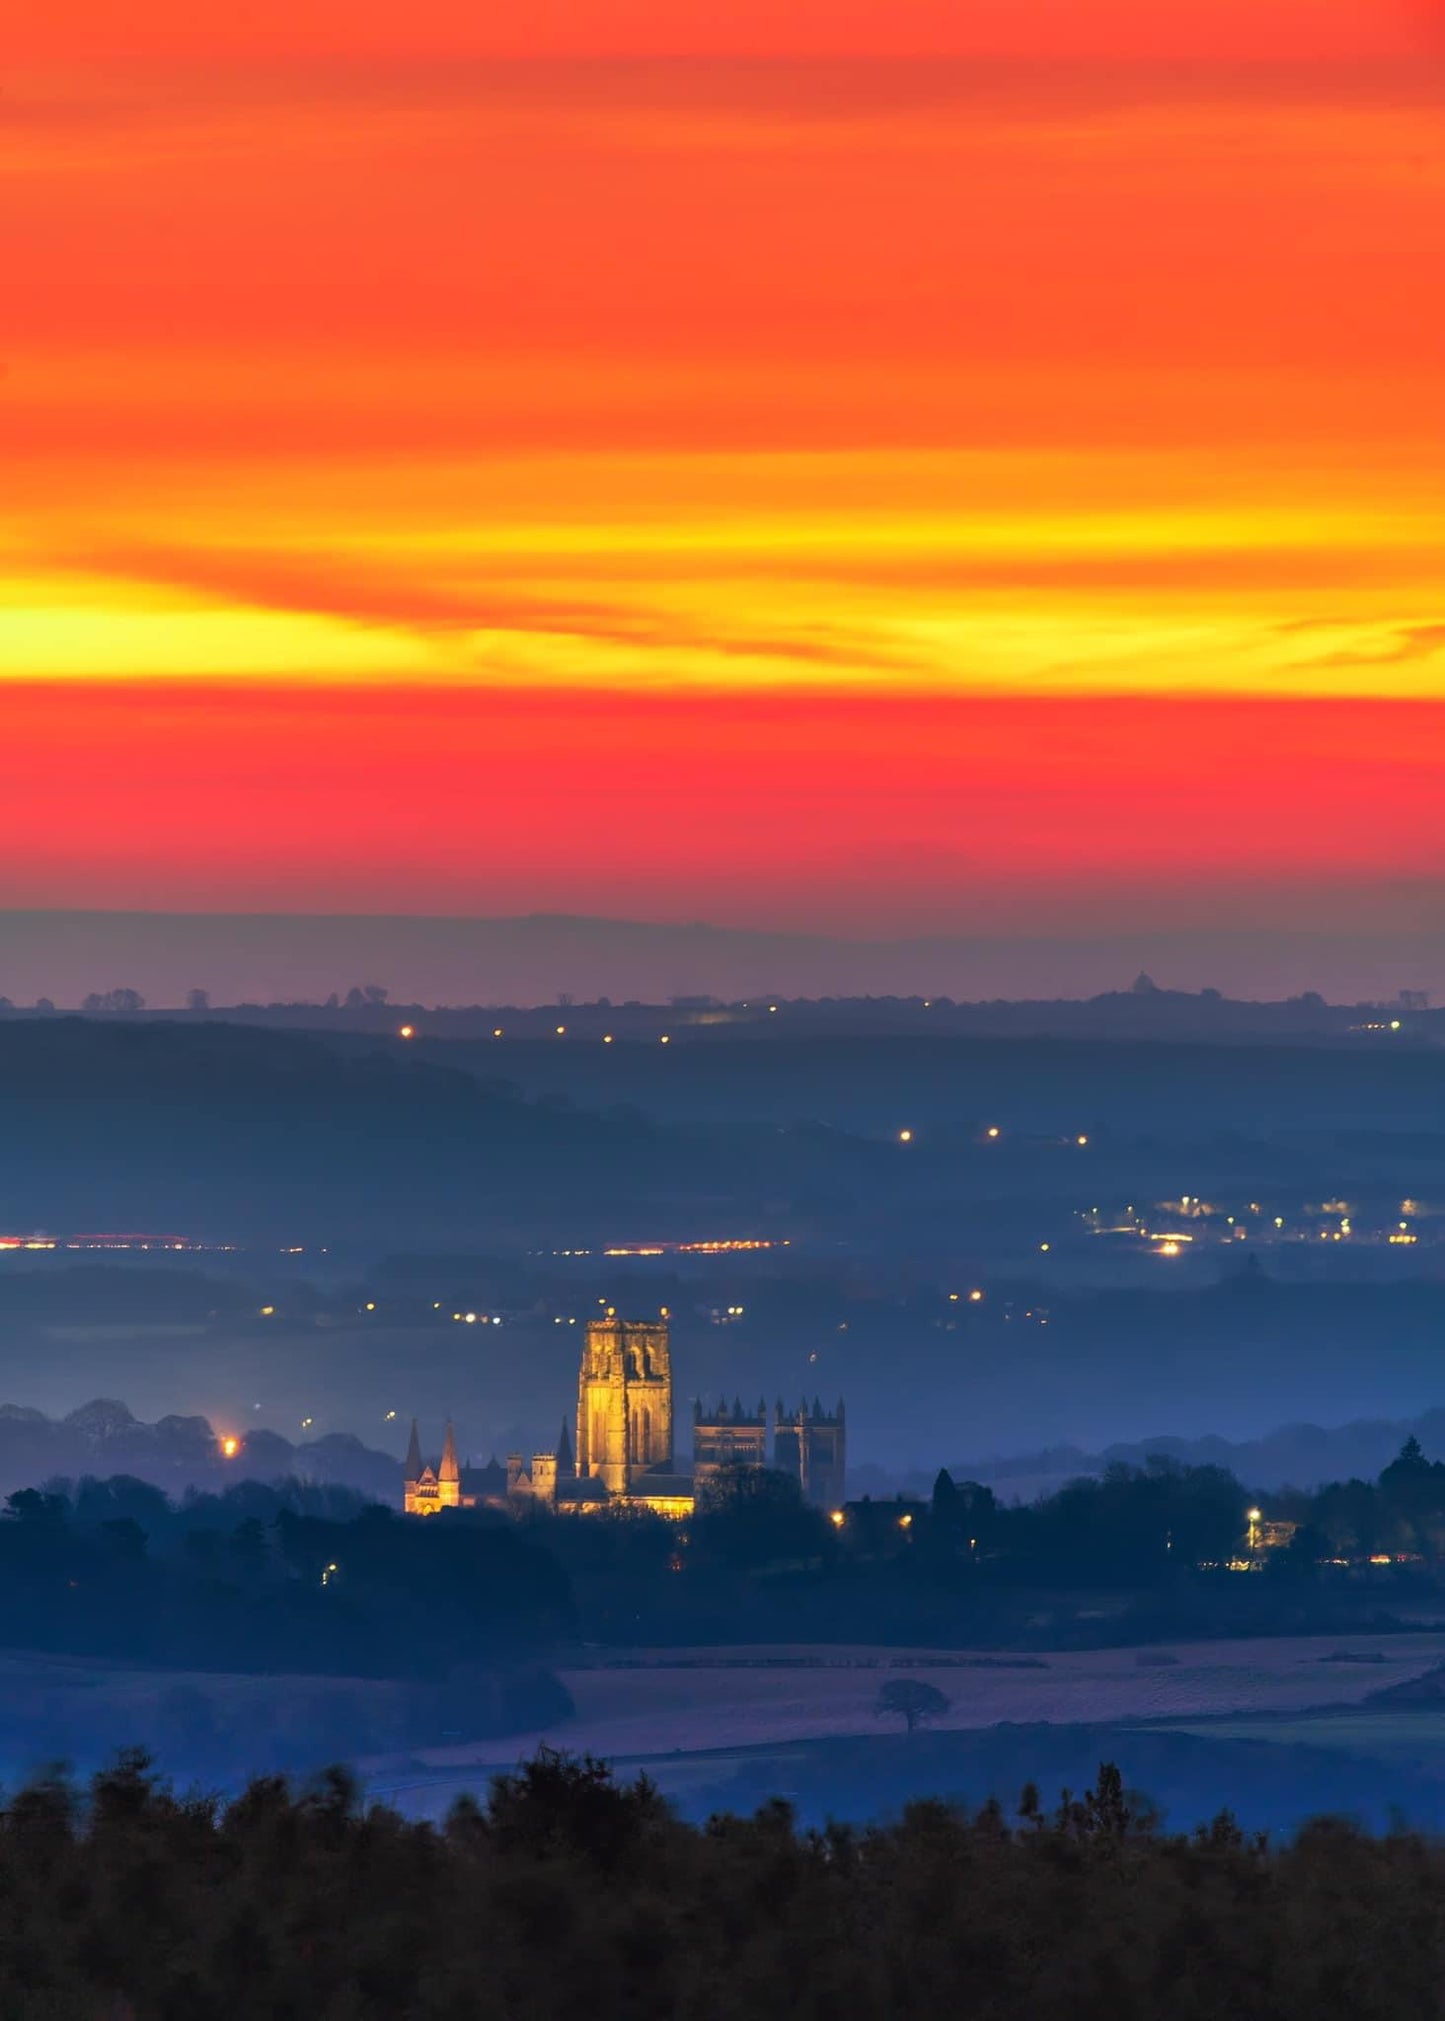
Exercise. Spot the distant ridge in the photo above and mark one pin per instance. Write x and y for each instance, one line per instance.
(104, 1437)
(1299, 1455)
(534, 958)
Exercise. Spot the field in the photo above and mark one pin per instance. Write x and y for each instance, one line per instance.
(692, 1719)
(683, 1701)
(1276, 1729)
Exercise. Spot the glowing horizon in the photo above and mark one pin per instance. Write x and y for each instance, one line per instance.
(917, 449)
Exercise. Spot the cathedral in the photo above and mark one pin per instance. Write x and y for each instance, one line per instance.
(624, 1456)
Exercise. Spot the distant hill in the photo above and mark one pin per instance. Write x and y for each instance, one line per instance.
(227, 1132)
(1301, 1456)
(104, 1438)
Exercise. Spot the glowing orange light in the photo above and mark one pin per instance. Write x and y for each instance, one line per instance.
(230, 1447)
(993, 1130)
(407, 1032)
(905, 1136)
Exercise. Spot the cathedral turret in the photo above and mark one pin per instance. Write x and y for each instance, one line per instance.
(450, 1468)
(726, 1438)
(413, 1455)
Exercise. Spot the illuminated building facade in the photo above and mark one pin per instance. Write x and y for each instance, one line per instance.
(551, 1478)
(624, 1455)
(624, 1402)
(428, 1489)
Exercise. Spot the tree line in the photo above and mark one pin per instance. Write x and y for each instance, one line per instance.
(283, 1578)
(567, 1891)
(294, 1577)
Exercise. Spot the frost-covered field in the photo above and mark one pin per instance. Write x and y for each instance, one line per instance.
(658, 1703)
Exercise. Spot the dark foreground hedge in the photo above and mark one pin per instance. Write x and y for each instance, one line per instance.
(570, 1895)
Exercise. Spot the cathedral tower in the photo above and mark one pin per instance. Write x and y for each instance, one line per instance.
(812, 1446)
(624, 1401)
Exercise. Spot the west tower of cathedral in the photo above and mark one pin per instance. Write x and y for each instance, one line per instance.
(429, 1488)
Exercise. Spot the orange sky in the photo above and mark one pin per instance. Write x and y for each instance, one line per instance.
(860, 464)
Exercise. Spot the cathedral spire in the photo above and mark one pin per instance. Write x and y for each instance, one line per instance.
(565, 1462)
(413, 1455)
(449, 1470)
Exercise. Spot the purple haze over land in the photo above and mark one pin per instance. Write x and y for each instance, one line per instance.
(283, 957)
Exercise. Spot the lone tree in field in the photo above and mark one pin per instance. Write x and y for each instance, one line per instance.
(910, 1699)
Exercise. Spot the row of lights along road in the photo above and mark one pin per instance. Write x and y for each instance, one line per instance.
(993, 1135)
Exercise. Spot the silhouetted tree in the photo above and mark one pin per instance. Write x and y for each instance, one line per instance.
(911, 1700)
(750, 1516)
(113, 1003)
